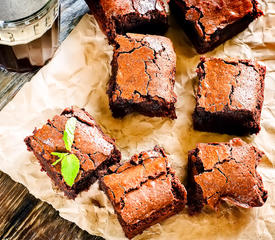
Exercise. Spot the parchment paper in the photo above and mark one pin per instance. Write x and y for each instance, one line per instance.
(78, 75)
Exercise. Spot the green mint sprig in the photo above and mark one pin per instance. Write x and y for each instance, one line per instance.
(70, 164)
(68, 136)
(60, 155)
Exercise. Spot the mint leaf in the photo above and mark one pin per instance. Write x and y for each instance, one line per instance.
(68, 136)
(60, 155)
(69, 168)
(69, 162)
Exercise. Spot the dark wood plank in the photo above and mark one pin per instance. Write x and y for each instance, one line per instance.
(22, 216)
(12, 198)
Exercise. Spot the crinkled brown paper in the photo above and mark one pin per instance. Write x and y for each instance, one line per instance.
(78, 75)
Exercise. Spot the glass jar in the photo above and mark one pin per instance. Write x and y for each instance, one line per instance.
(29, 33)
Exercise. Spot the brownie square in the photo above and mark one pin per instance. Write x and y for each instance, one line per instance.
(143, 76)
(144, 191)
(230, 96)
(224, 171)
(95, 151)
(137, 16)
(210, 23)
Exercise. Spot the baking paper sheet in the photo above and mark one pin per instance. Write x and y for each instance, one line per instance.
(78, 75)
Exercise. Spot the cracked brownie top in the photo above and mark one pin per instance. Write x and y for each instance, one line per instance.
(134, 16)
(229, 85)
(122, 7)
(212, 15)
(144, 67)
(226, 171)
(143, 186)
(91, 146)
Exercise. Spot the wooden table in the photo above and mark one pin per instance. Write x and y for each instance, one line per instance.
(22, 216)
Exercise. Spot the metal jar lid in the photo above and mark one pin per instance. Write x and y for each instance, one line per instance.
(29, 28)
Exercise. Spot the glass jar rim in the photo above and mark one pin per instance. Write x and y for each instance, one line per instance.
(27, 20)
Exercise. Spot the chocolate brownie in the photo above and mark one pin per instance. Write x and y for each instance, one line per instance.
(224, 171)
(144, 191)
(230, 96)
(210, 23)
(137, 16)
(143, 76)
(95, 151)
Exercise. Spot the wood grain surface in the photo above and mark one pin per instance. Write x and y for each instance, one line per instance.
(22, 216)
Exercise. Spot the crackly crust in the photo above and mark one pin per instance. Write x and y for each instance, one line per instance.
(230, 96)
(143, 76)
(122, 16)
(224, 171)
(144, 191)
(94, 149)
(210, 23)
